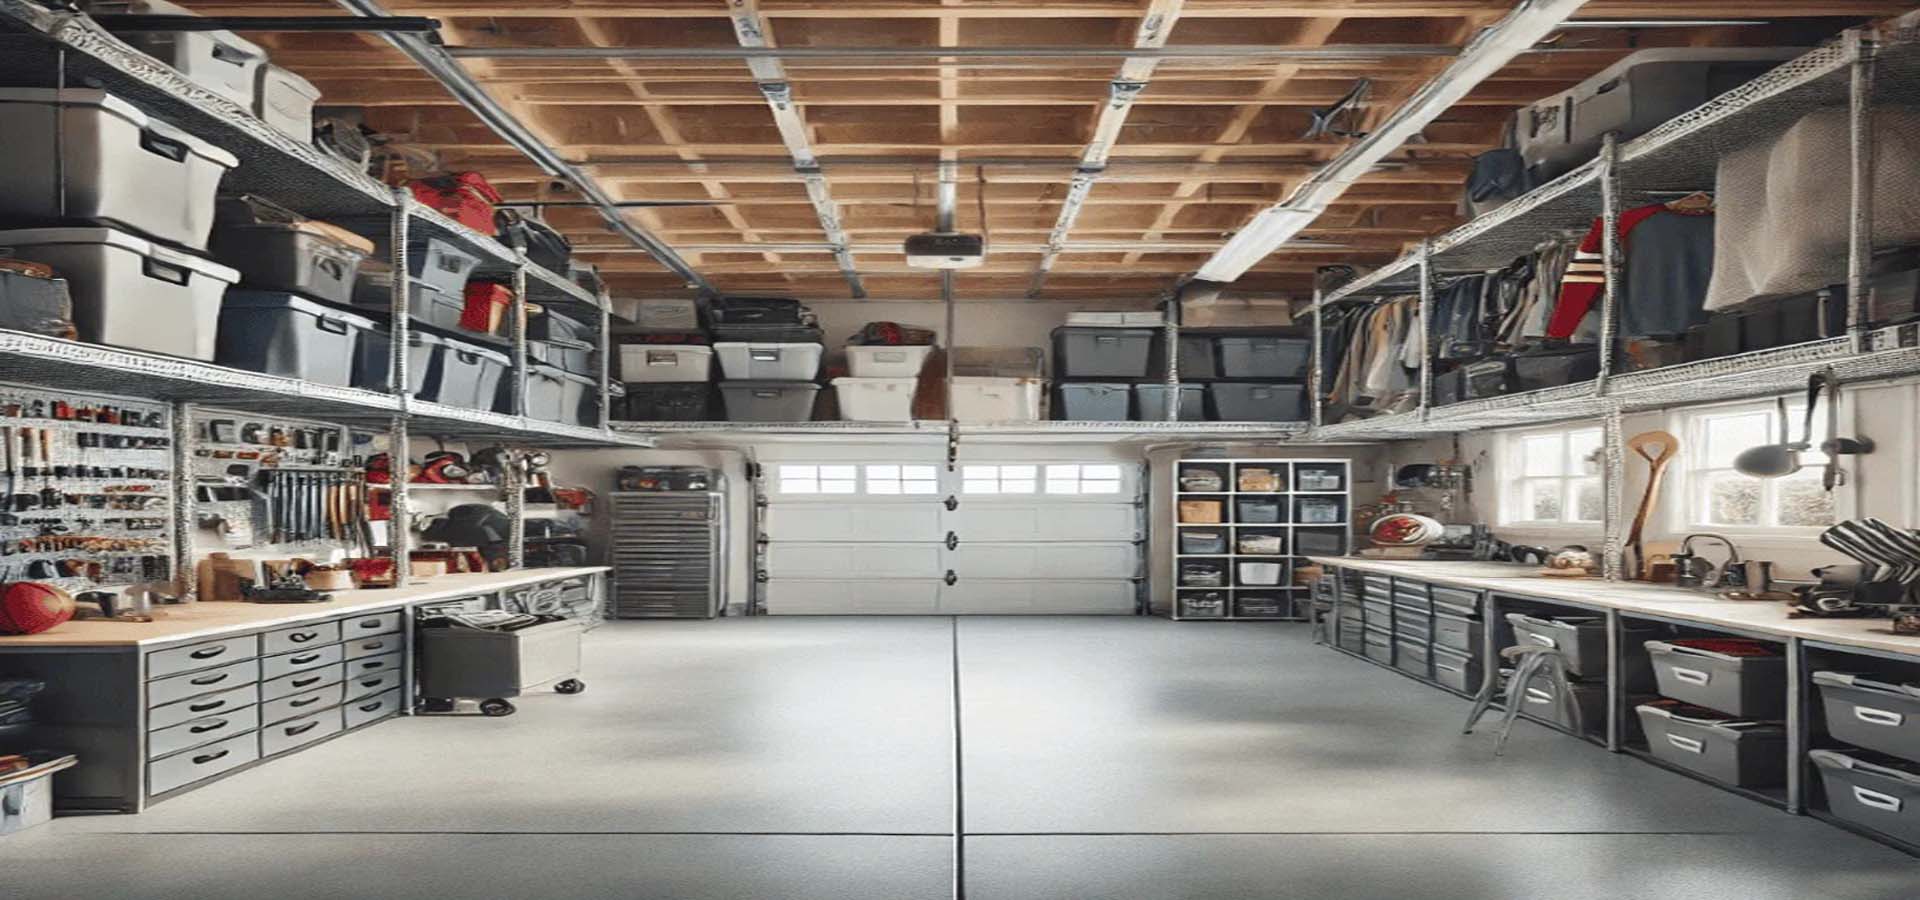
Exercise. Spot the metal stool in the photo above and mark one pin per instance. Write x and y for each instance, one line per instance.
(1528, 660)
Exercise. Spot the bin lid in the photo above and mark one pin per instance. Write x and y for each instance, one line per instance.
(295, 302)
(114, 237)
(123, 109)
(287, 78)
(456, 345)
(807, 386)
(554, 373)
(250, 211)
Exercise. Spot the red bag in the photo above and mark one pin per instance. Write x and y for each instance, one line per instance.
(465, 197)
(486, 307)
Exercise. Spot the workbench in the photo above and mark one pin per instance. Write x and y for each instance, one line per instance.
(207, 689)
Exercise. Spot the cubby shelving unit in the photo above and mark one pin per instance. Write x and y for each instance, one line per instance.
(1282, 500)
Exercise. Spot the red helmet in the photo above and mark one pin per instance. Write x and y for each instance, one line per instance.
(29, 607)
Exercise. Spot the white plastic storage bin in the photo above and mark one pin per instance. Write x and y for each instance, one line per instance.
(769, 401)
(666, 362)
(978, 399)
(666, 316)
(86, 154)
(886, 361)
(285, 101)
(373, 359)
(283, 334)
(1260, 574)
(469, 375)
(744, 361)
(220, 61)
(875, 399)
(128, 291)
(554, 395)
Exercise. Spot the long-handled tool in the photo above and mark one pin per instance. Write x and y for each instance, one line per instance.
(1658, 449)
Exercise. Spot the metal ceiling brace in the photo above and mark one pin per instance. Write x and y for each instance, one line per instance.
(1331, 52)
(771, 76)
(436, 61)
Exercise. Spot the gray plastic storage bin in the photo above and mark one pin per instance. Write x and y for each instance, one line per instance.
(285, 101)
(373, 359)
(555, 395)
(1151, 400)
(302, 257)
(1203, 540)
(1264, 357)
(1318, 510)
(1091, 401)
(128, 291)
(470, 375)
(1377, 644)
(1196, 358)
(1203, 605)
(1540, 699)
(1413, 658)
(1243, 401)
(1582, 640)
(1728, 750)
(1081, 352)
(86, 154)
(280, 334)
(1749, 686)
(1456, 633)
(1876, 715)
(768, 401)
(567, 356)
(426, 304)
(1457, 670)
(552, 326)
(1875, 792)
(1256, 511)
(435, 262)
(1319, 543)
(218, 60)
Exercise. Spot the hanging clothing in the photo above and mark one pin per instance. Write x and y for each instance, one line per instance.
(1667, 271)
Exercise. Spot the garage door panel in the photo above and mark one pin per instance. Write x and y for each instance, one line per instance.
(854, 560)
(1026, 520)
(853, 521)
(853, 596)
(1044, 561)
(1027, 597)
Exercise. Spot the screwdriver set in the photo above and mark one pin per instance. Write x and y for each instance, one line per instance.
(265, 481)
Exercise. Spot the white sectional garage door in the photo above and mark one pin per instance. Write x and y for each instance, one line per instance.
(883, 538)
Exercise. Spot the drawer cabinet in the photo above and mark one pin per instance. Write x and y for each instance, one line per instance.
(198, 707)
(367, 685)
(373, 665)
(293, 733)
(290, 639)
(371, 709)
(1455, 601)
(299, 661)
(370, 625)
(362, 647)
(274, 711)
(201, 763)
(192, 657)
(195, 732)
(288, 685)
(193, 684)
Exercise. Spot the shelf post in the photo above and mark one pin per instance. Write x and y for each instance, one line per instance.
(1171, 334)
(1426, 329)
(1613, 480)
(400, 339)
(1315, 354)
(183, 501)
(1610, 258)
(606, 366)
(515, 489)
(1861, 176)
(517, 323)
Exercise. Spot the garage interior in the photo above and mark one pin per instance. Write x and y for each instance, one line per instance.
(959, 448)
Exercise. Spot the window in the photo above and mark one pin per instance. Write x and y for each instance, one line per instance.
(818, 479)
(999, 479)
(1718, 496)
(1078, 479)
(1553, 478)
(895, 480)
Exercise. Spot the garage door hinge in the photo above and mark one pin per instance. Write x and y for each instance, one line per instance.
(952, 503)
(760, 577)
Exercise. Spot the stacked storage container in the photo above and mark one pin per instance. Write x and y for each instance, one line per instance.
(1100, 364)
(997, 384)
(1871, 774)
(667, 364)
(1582, 642)
(882, 381)
(561, 352)
(769, 351)
(1722, 709)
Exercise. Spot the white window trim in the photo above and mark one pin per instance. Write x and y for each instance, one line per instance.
(1678, 495)
(1508, 482)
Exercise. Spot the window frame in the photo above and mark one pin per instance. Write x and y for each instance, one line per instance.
(1513, 480)
(1687, 515)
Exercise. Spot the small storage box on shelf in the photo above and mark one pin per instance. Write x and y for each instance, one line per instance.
(886, 360)
(1083, 352)
(875, 399)
(678, 363)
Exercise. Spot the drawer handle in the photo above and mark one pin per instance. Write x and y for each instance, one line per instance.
(369, 623)
(298, 730)
(308, 701)
(208, 652)
(303, 682)
(1690, 676)
(373, 645)
(1877, 800)
(1686, 743)
(1873, 716)
(214, 725)
(303, 660)
(301, 637)
(373, 682)
(370, 707)
(374, 664)
(205, 758)
(206, 707)
(205, 680)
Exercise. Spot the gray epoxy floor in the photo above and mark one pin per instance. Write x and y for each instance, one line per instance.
(1131, 759)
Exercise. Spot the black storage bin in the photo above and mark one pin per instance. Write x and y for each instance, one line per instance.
(1256, 511)
(1735, 676)
(32, 303)
(1722, 335)
(1197, 361)
(1319, 543)
(1413, 658)
(1450, 387)
(777, 311)
(1203, 573)
(1263, 356)
(1377, 644)
(1203, 540)
(1088, 352)
(1203, 605)
(1743, 753)
(1245, 401)
(1540, 699)
(1092, 401)
(1540, 369)
(1260, 606)
(1456, 633)
(1150, 402)
(1876, 715)
(1875, 792)
(278, 333)
(662, 402)
(1456, 670)
(1486, 378)
(1582, 640)
(1767, 324)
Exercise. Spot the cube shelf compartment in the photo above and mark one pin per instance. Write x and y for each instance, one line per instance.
(1253, 521)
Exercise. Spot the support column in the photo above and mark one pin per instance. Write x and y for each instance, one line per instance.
(514, 490)
(400, 332)
(1860, 184)
(184, 487)
(1316, 407)
(1610, 259)
(1613, 481)
(1426, 329)
(517, 324)
(1171, 334)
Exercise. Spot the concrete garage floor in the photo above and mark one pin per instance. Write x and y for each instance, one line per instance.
(1123, 759)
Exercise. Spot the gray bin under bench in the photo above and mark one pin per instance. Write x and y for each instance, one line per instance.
(1582, 640)
(1872, 791)
(1735, 676)
(1741, 752)
(1876, 715)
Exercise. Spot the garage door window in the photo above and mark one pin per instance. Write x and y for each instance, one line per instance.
(1079, 479)
(897, 480)
(819, 479)
(999, 479)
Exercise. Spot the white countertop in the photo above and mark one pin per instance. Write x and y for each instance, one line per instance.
(210, 619)
(1639, 597)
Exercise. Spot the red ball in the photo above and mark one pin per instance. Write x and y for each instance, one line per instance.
(30, 607)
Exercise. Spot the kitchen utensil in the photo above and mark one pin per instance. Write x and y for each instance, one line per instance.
(1781, 459)
(1658, 449)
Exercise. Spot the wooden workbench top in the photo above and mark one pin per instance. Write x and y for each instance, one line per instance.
(1658, 600)
(203, 620)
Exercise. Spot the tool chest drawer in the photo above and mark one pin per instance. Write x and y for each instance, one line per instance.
(300, 638)
(359, 648)
(1378, 645)
(1455, 633)
(1455, 601)
(192, 657)
(1456, 670)
(1876, 715)
(288, 685)
(1411, 595)
(201, 763)
(299, 661)
(193, 684)
(303, 703)
(1735, 676)
(360, 668)
(1377, 587)
(195, 732)
(217, 704)
(1412, 625)
(1379, 613)
(1413, 658)
(372, 709)
(367, 626)
(294, 733)
(367, 685)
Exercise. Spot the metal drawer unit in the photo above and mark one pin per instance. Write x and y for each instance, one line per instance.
(162, 663)
(360, 648)
(367, 685)
(669, 554)
(194, 684)
(372, 709)
(196, 732)
(299, 661)
(198, 707)
(287, 640)
(300, 704)
(296, 733)
(301, 682)
(368, 626)
(200, 764)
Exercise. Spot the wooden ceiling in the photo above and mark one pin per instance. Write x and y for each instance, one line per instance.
(1208, 143)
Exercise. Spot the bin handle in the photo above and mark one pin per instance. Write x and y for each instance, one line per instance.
(1536, 695)
(334, 324)
(1876, 800)
(205, 758)
(1686, 743)
(232, 55)
(160, 271)
(1543, 640)
(1873, 716)
(301, 729)
(163, 146)
(765, 354)
(333, 268)
(1690, 676)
